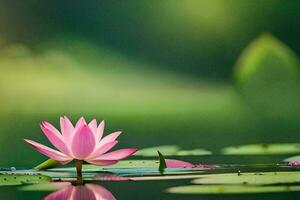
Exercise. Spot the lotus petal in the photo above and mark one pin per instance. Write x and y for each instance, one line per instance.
(109, 138)
(93, 126)
(80, 123)
(101, 162)
(67, 129)
(103, 149)
(51, 153)
(63, 194)
(82, 193)
(117, 155)
(83, 142)
(178, 164)
(100, 192)
(55, 138)
(294, 163)
(100, 131)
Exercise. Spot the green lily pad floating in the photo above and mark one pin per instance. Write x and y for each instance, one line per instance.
(193, 152)
(20, 179)
(262, 149)
(265, 178)
(166, 150)
(122, 167)
(291, 159)
(129, 172)
(125, 168)
(48, 164)
(113, 177)
(120, 164)
(229, 189)
(171, 150)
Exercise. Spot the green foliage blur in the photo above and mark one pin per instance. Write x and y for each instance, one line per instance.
(195, 73)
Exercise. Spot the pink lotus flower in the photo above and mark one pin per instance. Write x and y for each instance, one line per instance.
(84, 142)
(87, 191)
(172, 163)
(294, 163)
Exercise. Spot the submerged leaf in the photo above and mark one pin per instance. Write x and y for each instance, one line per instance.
(229, 189)
(261, 149)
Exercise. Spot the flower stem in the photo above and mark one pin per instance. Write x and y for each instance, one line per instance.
(79, 180)
(79, 167)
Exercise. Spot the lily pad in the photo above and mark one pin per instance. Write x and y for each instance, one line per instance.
(229, 189)
(264, 178)
(113, 177)
(120, 164)
(125, 168)
(171, 150)
(293, 158)
(193, 152)
(262, 149)
(123, 172)
(21, 179)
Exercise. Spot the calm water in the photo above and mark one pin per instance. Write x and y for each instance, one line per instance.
(149, 190)
(155, 189)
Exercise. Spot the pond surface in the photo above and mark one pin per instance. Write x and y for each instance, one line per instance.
(238, 177)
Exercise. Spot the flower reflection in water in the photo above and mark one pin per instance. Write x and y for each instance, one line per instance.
(81, 192)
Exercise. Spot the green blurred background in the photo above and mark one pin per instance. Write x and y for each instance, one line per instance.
(197, 73)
